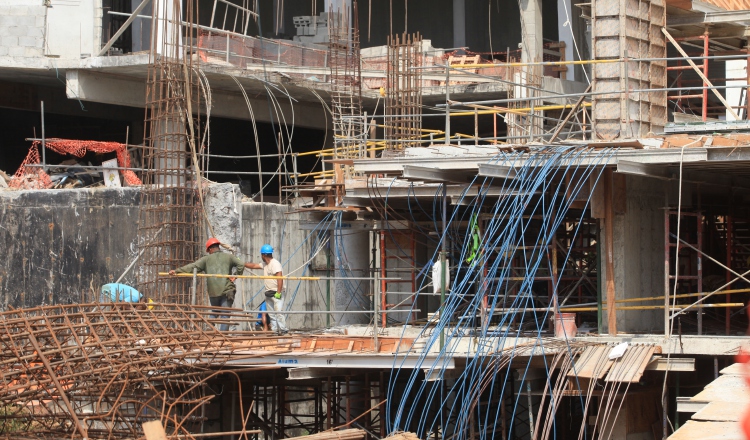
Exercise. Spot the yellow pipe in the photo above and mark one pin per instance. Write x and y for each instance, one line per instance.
(425, 130)
(516, 110)
(319, 173)
(252, 277)
(678, 306)
(543, 63)
(684, 295)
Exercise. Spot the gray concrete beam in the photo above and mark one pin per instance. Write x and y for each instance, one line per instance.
(741, 18)
(131, 91)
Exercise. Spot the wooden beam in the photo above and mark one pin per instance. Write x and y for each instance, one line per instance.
(609, 253)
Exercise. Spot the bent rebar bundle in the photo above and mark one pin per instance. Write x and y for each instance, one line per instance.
(520, 224)
(101, 370)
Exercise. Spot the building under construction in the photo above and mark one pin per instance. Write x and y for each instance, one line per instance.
(496, 220)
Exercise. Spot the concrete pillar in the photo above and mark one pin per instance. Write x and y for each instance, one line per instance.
(170, 144)
(565, 34)
(351, 257)
(167, 16)
(459, 23)
(531, 30)
(735, 69)
(336, 5)
(623, 113)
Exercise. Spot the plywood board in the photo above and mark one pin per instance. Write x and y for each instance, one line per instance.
(693, 430)
(593, 363)
(630, 367)
(721, 412)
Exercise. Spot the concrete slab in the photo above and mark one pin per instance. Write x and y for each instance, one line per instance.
(727, 388)
(693, 430)
(721, 412)
(736, 369)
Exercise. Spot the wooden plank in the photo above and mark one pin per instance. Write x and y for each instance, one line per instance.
(154, 431)
(593, 363)
(609, 244)
(630, 367)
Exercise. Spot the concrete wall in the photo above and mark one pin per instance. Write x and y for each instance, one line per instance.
(268, 223)
(74, 29)
(61, 244)
(22, 24)
(639, 250)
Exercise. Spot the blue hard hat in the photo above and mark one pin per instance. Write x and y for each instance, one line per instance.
(266, 249)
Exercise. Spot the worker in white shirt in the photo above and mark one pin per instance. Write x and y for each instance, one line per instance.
(274, 288)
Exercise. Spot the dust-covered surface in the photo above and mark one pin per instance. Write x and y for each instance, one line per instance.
(61, 246)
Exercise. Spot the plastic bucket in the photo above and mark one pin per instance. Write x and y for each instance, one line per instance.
(565, 325)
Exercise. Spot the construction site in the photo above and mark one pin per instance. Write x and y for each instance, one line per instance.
(506, 220)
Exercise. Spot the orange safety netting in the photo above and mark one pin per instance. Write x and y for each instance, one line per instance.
(35, 177)
(31, 177)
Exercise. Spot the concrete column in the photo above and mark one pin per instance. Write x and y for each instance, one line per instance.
(336, 5)
(170, 143)
(167, 14)
(459, 23)
(351, 257)
(735, 69)
(531, 30)
(565, 33)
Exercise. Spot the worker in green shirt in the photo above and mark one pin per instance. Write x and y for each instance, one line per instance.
(221, 291)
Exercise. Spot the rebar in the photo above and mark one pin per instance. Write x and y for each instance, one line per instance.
(101, 370)
(346, 84)
(403, 98)
(170, 220)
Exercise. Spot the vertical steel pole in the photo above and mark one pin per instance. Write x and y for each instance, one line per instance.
(667, 293)
(195, 287)
(443, 264)
(531, 412)
(704, 109)
(383, 275)
(599, 278)
(447, 103)
(44, 145)
(699, 222)
(729, 229)
(328, 283)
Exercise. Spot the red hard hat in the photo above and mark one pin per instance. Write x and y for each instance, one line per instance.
(212, 241)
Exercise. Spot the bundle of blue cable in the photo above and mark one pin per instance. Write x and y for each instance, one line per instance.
(536, 191)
